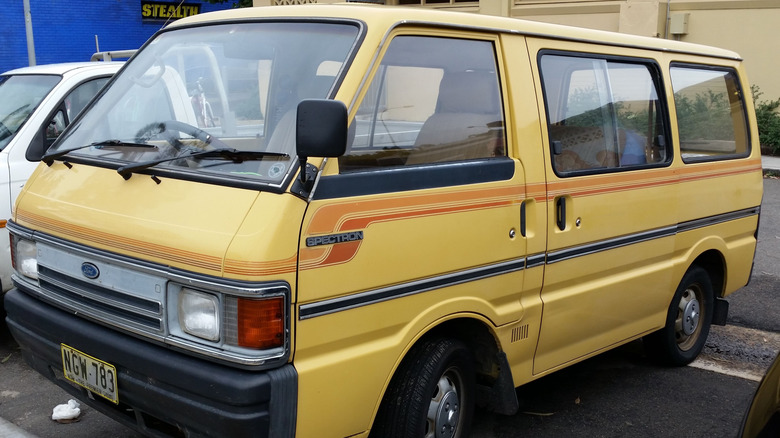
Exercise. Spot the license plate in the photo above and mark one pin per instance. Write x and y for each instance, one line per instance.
(90, 373)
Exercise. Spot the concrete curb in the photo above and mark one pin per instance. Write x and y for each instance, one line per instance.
(770, 162)
(10, 430)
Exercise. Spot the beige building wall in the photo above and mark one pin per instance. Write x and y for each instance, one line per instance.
(754, 33)
(749, 27)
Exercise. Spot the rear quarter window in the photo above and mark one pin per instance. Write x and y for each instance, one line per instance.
(711, 119)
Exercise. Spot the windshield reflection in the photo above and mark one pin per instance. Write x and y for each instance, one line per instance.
(224, 86)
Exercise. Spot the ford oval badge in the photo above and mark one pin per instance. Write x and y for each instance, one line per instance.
(90, 270)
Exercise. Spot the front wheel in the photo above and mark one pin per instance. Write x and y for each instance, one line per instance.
(687, 322)
(431, 395)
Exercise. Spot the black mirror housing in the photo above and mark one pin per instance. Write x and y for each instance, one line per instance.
(321, 128)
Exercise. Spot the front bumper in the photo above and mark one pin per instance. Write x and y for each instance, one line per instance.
(161, 392)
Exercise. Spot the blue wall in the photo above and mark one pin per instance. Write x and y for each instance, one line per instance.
(64, 30)
(13, 45)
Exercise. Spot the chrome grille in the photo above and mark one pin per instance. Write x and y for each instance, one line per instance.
(120, 294)
(93, 299)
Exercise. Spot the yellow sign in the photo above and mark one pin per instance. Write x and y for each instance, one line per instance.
(161, 10)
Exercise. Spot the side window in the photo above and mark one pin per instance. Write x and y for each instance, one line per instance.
(710, 113)
(71, 106)
(603, 114)
(77, 99)
(432, 100)
(55, 127)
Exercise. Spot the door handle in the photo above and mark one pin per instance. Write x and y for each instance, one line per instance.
(560, 213)
(522, 219)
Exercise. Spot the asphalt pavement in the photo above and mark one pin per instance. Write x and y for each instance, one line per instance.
(101, 425)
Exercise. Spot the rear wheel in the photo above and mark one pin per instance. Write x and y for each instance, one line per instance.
(431, 394)
(687, 322)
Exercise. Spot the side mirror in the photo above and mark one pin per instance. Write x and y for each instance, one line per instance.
(47, 135)
(321, 130)
(37, 146)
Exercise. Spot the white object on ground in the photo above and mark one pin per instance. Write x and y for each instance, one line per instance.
(69, 411)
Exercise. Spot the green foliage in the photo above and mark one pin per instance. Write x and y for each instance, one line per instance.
(705, 116)
(586, 111)
(768, 121)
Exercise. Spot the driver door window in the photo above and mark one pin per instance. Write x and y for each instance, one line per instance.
(432, 100)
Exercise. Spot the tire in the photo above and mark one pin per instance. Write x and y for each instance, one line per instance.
(687, 322)
(431, 395)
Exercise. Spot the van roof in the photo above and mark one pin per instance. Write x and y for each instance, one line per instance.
(385, 17)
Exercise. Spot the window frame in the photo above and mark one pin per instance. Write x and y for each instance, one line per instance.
(745, 117)
(376, 71)
(394, 179)
(41, 142)
(663, 111)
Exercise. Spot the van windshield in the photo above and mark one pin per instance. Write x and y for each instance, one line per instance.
(234, 86)
(19, 96)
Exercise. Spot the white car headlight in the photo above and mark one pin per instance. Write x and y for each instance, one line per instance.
(25, 257)
(199, 314)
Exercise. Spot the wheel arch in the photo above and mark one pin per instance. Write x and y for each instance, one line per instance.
(495, 386)
(477, 336)
(714, 263)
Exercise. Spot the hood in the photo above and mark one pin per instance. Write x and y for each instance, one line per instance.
(181, 224)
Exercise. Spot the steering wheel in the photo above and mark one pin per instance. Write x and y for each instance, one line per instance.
(163, 130)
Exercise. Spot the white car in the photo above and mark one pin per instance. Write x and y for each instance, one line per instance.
(36, 104)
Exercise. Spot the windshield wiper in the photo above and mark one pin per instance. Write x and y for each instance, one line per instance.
(105, 144)
(230, 154)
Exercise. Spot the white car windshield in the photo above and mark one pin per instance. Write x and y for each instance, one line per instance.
(231, 89)
(19, 96)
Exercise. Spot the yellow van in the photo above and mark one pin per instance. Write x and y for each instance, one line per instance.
(353, 220)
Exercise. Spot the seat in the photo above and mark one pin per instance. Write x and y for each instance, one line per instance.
(467, 122)
(585, 147)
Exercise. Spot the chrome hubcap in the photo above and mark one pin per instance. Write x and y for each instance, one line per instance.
(687, 325)
(691, 317)
(444, 410)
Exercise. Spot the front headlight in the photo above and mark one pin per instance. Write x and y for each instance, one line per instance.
(247, 325)
(199, 314)
(24, 257)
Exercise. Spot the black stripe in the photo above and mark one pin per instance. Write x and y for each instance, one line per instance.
(605, 245)
(384, 294)
(719, 218)
(365, 298)
(407, 178)
(535, 260)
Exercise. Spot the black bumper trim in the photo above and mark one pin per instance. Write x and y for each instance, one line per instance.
(198, 397)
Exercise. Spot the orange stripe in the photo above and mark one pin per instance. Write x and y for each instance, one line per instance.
(334, 217)
(602, 184)
(257, 268)
(189, 259)
(359, 215)
(120, 243)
